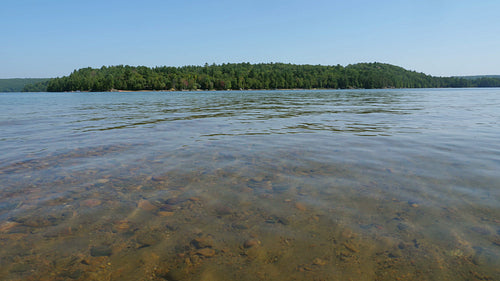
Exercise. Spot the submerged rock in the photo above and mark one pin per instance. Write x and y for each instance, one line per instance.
(480, 230)
(91, 203)
(206, 252)
(4, 227)
(159, 178)
(202, 242)
(320, 262)
(100, 251)
(146, 205)
(223, 210)
(165, 214)
(300, 206)
(251, 243)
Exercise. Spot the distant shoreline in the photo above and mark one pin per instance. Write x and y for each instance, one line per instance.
(246, 76)
(257, 90)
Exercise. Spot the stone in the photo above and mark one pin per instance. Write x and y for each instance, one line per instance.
(480, 230)
(350, 247)
(159, 178)
(300, 206)
(100, 251)
(122, 225)
(318, 261)
(223, 210)
(283, 221)
(4, 227)
(175, 201)
(146, 205)
(206, 252)
(165, 214)
(202, 242)
(251, 243)
(91, 203)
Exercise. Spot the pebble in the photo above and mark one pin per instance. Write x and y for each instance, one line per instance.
(122, 225)
(175, 201)
(318, 261)
(347, 234)
(165, 214)
(223, 210)
(91, 203)
(480, 230)
(8, 225)
(202, 242)
(21, 267)
(147, 239)
(146, 205)
(496, 241)
(206, 252)
(251, 243)
(159, 178)
(283, 221)
(413, 203)
(100, 251)
(350, 247)
(102, 180)
(300, 206)
(402, 226)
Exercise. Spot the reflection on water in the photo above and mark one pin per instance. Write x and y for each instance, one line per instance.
(271, 185)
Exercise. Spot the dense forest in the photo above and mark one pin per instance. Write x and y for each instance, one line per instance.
(242, 76)
(20, 84)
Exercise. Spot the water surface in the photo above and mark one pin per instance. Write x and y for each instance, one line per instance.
(251, 185)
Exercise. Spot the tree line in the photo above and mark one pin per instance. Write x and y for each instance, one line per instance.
(18, 84)
(243, 76)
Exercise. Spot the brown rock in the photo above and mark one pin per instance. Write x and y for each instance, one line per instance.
(300, 206)
(318, 261)
(7, 225)
(223, 210)
(122, 225)
(102, 181)
(165, 214)
(91, 203)
(203, 242)
(251, 243)
(159, 178)
(206, 252)
(146, 205)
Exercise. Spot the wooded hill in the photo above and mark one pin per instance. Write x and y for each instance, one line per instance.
(19, 84)
(236, 76)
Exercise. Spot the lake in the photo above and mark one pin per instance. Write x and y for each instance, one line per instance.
(399, 184)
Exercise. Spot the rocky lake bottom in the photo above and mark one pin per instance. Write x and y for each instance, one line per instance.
(172, 201)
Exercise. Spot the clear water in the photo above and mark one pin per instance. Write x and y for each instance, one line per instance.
(252, 185)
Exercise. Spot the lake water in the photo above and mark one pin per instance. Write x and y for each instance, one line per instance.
(252, 185)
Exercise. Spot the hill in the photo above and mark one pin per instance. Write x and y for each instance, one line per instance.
(19, 84)
(478, 76)
(237, 76)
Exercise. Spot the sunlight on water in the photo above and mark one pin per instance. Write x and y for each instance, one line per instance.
(254, 185)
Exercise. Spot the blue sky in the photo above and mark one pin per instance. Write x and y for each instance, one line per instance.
(440, 37)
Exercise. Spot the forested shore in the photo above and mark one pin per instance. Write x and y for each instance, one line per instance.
(246, 76)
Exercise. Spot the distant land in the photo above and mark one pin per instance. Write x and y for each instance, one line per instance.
(479, 76)
(19, 84)
(246, 76)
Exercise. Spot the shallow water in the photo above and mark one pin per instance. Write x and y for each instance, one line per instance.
(254, 185)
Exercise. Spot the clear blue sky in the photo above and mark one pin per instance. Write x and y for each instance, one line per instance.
(440, 37)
